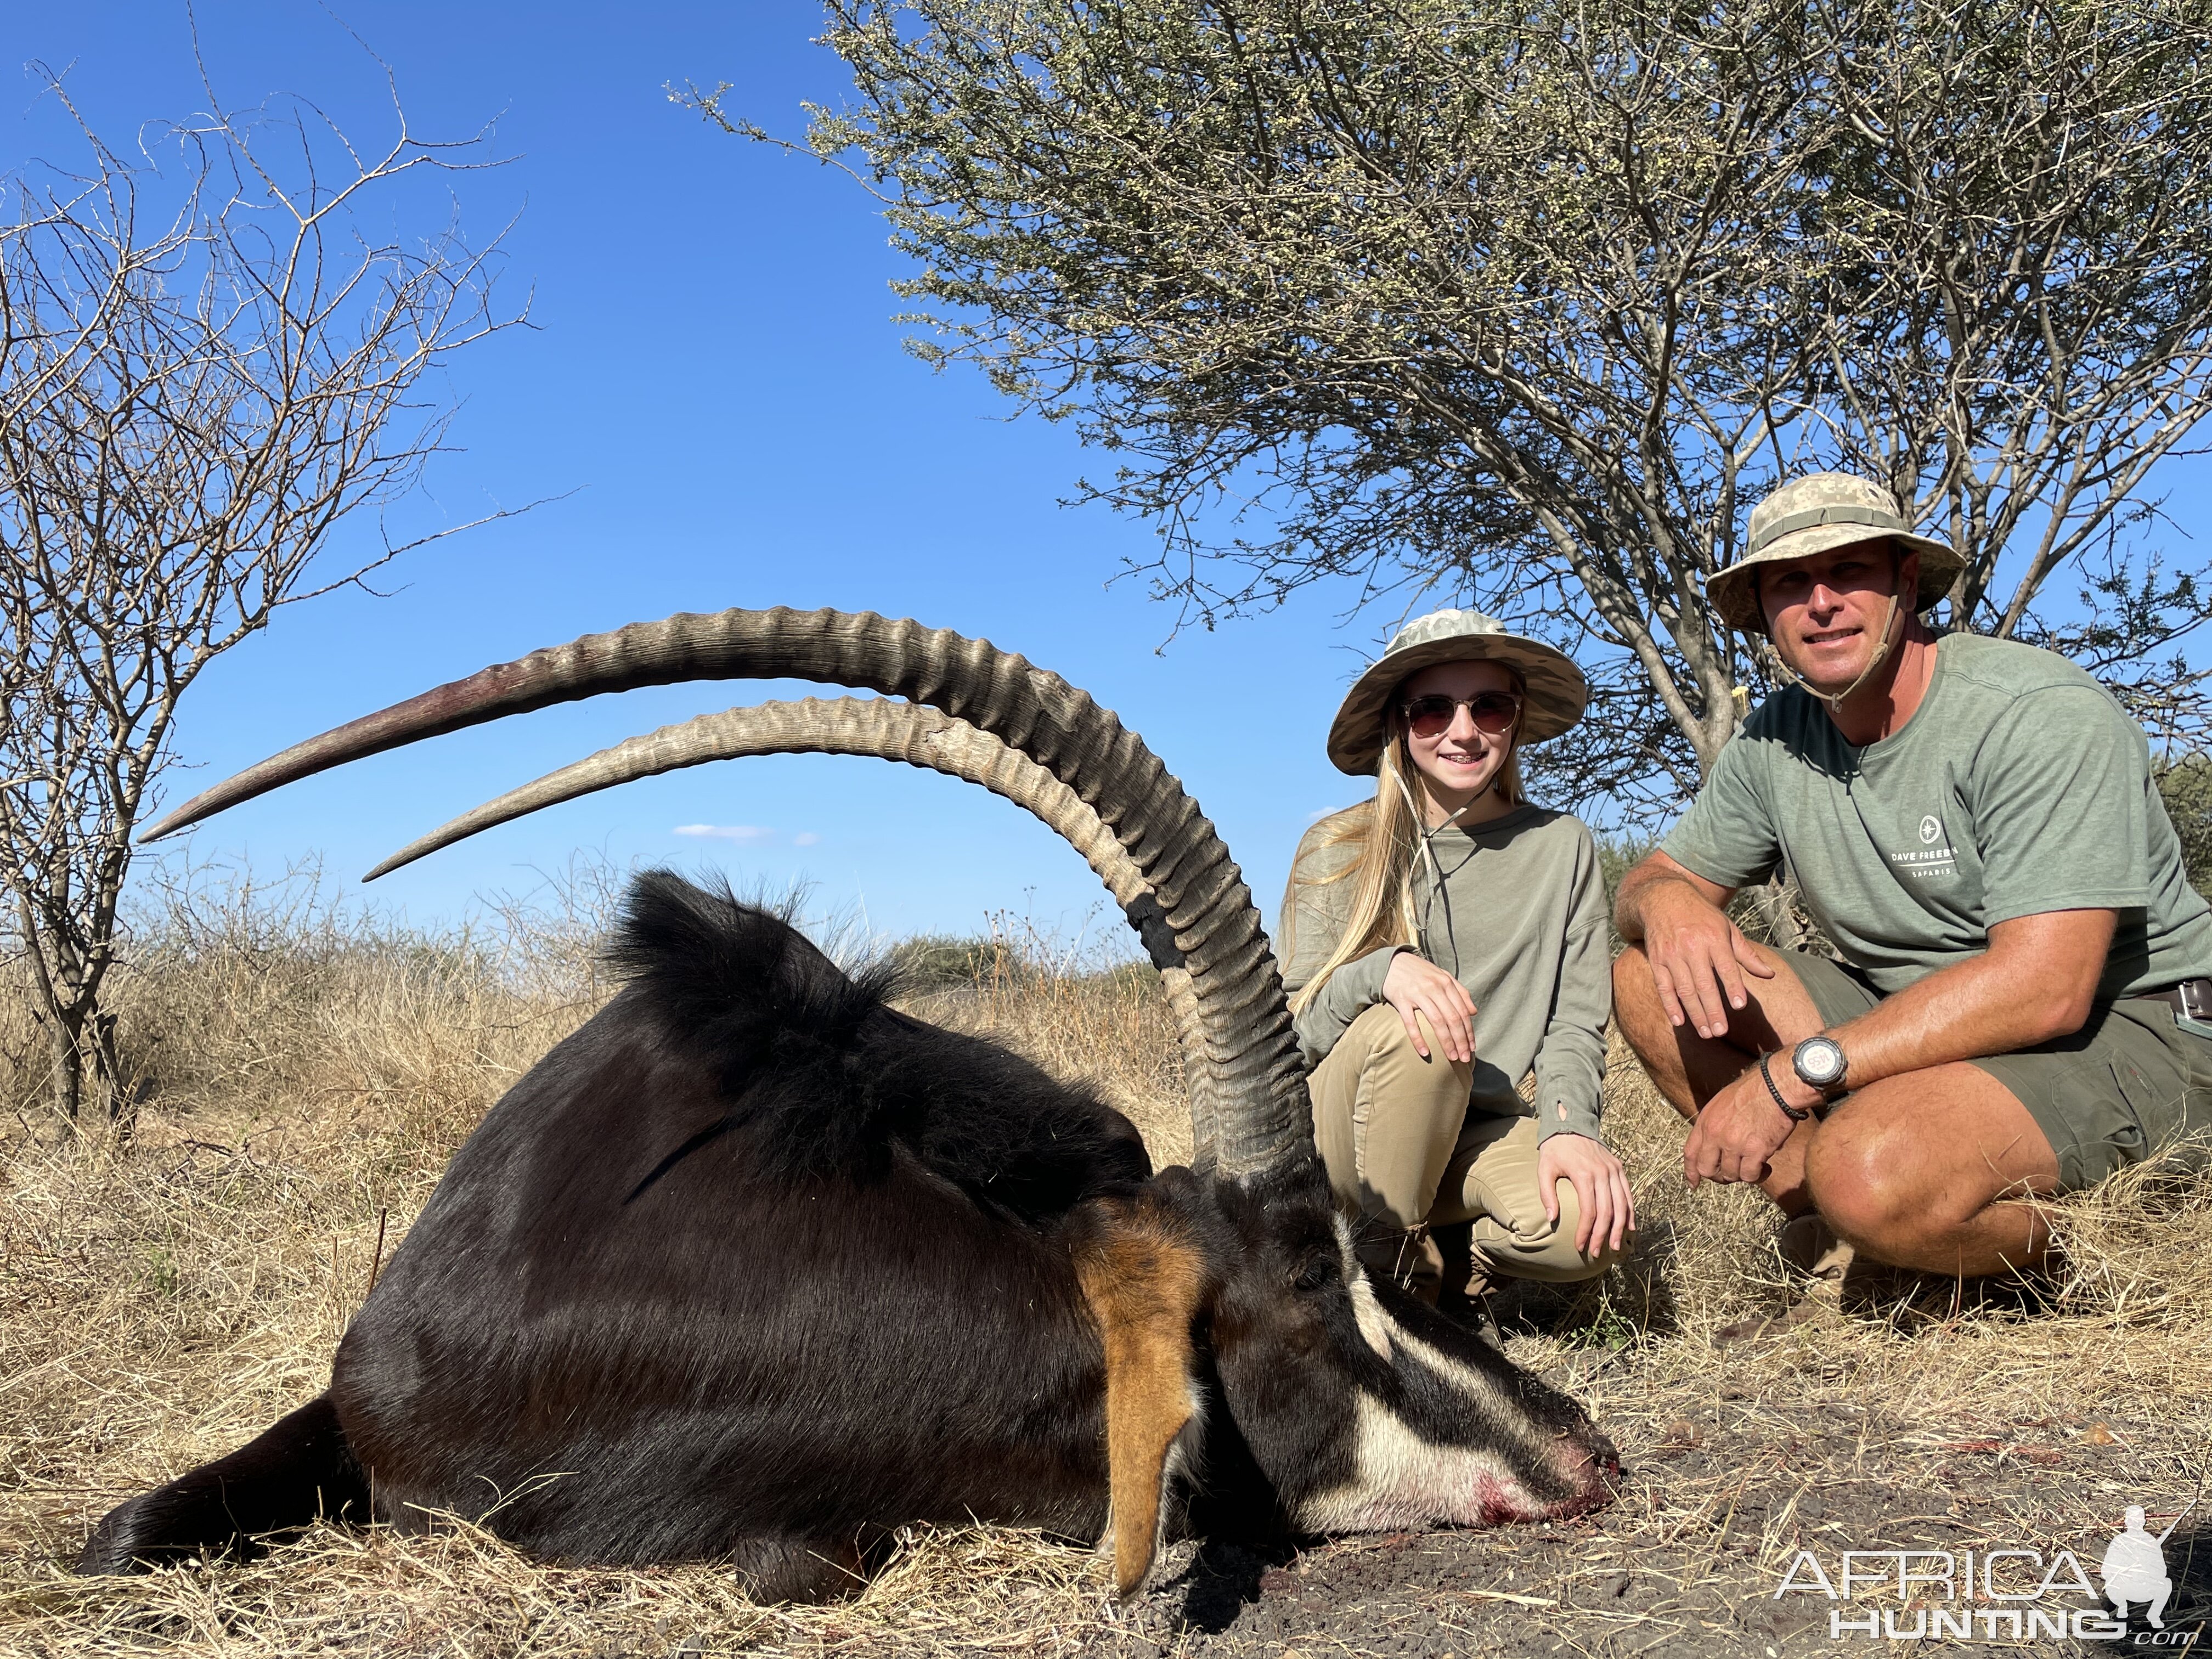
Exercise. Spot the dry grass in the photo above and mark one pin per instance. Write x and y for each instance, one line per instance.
(306, 1078)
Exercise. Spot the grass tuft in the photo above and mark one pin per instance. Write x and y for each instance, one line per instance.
(305, 1076)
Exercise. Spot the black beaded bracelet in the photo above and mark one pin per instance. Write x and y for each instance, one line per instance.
(1795, 1114)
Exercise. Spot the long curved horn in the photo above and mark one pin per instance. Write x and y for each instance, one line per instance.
(1251, 1053)
(888, 730)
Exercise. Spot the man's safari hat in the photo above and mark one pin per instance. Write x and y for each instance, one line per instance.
(1556, 689)
(1818, 514)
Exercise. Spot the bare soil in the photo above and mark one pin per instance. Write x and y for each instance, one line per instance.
(162, 1300)
(1686, 1564)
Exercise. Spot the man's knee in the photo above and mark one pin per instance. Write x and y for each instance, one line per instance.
(1635, 1006)
(1632, 984)
(1908, 1163)
(1856, 1183)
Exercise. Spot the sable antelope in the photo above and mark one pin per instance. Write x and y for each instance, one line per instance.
(756, 1267)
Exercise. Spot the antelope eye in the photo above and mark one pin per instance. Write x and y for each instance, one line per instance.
(1316, 1274)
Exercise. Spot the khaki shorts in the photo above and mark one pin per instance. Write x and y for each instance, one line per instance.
(2124, 1084)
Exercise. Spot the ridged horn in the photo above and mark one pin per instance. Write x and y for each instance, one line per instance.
(1251, 1053)
(887, 730)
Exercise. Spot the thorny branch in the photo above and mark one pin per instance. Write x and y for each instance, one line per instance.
(205, 364)
(1443, 300)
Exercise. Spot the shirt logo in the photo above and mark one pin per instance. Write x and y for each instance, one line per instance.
(1934, 858)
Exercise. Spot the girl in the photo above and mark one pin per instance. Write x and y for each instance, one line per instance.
(1442, 940)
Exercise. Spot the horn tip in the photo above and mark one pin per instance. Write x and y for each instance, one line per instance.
(404, 856)
(167, 826)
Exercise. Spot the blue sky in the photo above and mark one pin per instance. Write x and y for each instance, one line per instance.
(715, 376)
(716, 390)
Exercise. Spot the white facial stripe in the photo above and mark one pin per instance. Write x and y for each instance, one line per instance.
(1457, 1373)
(1376, 1327)
(1463, 1378)
(1343, 1246)
(1405, 1481)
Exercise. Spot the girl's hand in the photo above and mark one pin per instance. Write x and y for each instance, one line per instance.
(1601, 1186)
(1415, 985)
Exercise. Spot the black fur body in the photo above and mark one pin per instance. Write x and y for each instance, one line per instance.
(754, 1267)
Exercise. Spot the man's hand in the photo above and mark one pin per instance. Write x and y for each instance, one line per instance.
(1699, 957)
(1741, 1127)
(1601, 1188)
(1415, 985)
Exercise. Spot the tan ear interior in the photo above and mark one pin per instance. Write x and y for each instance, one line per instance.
(1144, 1287)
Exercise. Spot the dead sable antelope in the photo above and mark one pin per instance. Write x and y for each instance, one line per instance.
(756, 1267)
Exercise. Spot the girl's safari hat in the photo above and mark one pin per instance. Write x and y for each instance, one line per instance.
(1818, 514)
(1556, 689)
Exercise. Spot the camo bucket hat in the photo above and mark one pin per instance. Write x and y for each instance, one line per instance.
(1556, 689)
(1818, 514)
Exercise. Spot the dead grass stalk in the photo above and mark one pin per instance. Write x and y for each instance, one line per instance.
(304, 1077)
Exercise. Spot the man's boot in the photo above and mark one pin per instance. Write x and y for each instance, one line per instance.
(1810, 1245)
(1807, 1246)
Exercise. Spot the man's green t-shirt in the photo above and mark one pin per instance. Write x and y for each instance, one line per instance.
(2018, 786)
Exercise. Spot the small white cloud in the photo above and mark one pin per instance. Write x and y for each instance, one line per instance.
(1315, 818)
(806, 838)
(739, 832)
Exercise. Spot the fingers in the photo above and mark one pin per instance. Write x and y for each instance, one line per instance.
(1594, 1198)
(1725, 1144)
(1408, 1012)
(1421, 990)
(1707, 990)
(1607, 1213)
(1452, 1012)
(1685, 977)
(1699, 973)
(1664, 981)
(1701, 1154)
(1455, 1032)
(1731, 978)
(1747, 954)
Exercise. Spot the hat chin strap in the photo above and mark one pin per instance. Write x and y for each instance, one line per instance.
(1428, 832)
(1834, 700)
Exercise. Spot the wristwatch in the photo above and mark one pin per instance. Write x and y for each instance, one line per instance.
(1818, 1062)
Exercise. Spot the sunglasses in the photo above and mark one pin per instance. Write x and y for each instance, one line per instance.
(1432, 716)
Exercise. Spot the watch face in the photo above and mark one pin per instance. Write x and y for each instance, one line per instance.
(1819, 1061)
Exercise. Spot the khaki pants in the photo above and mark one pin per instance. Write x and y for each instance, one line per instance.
(1408, 1160)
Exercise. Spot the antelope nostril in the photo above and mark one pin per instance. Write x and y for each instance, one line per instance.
(1591, 1465)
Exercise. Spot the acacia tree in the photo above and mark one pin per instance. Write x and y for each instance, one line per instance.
(1528, 304)
(192, 395)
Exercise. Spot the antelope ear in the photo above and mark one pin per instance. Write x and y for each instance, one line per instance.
(1143, 1283)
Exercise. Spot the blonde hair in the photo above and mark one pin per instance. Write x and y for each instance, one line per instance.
(1388, 834)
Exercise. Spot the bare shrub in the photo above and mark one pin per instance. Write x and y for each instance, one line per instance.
(202, 372)
(164, 1298)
